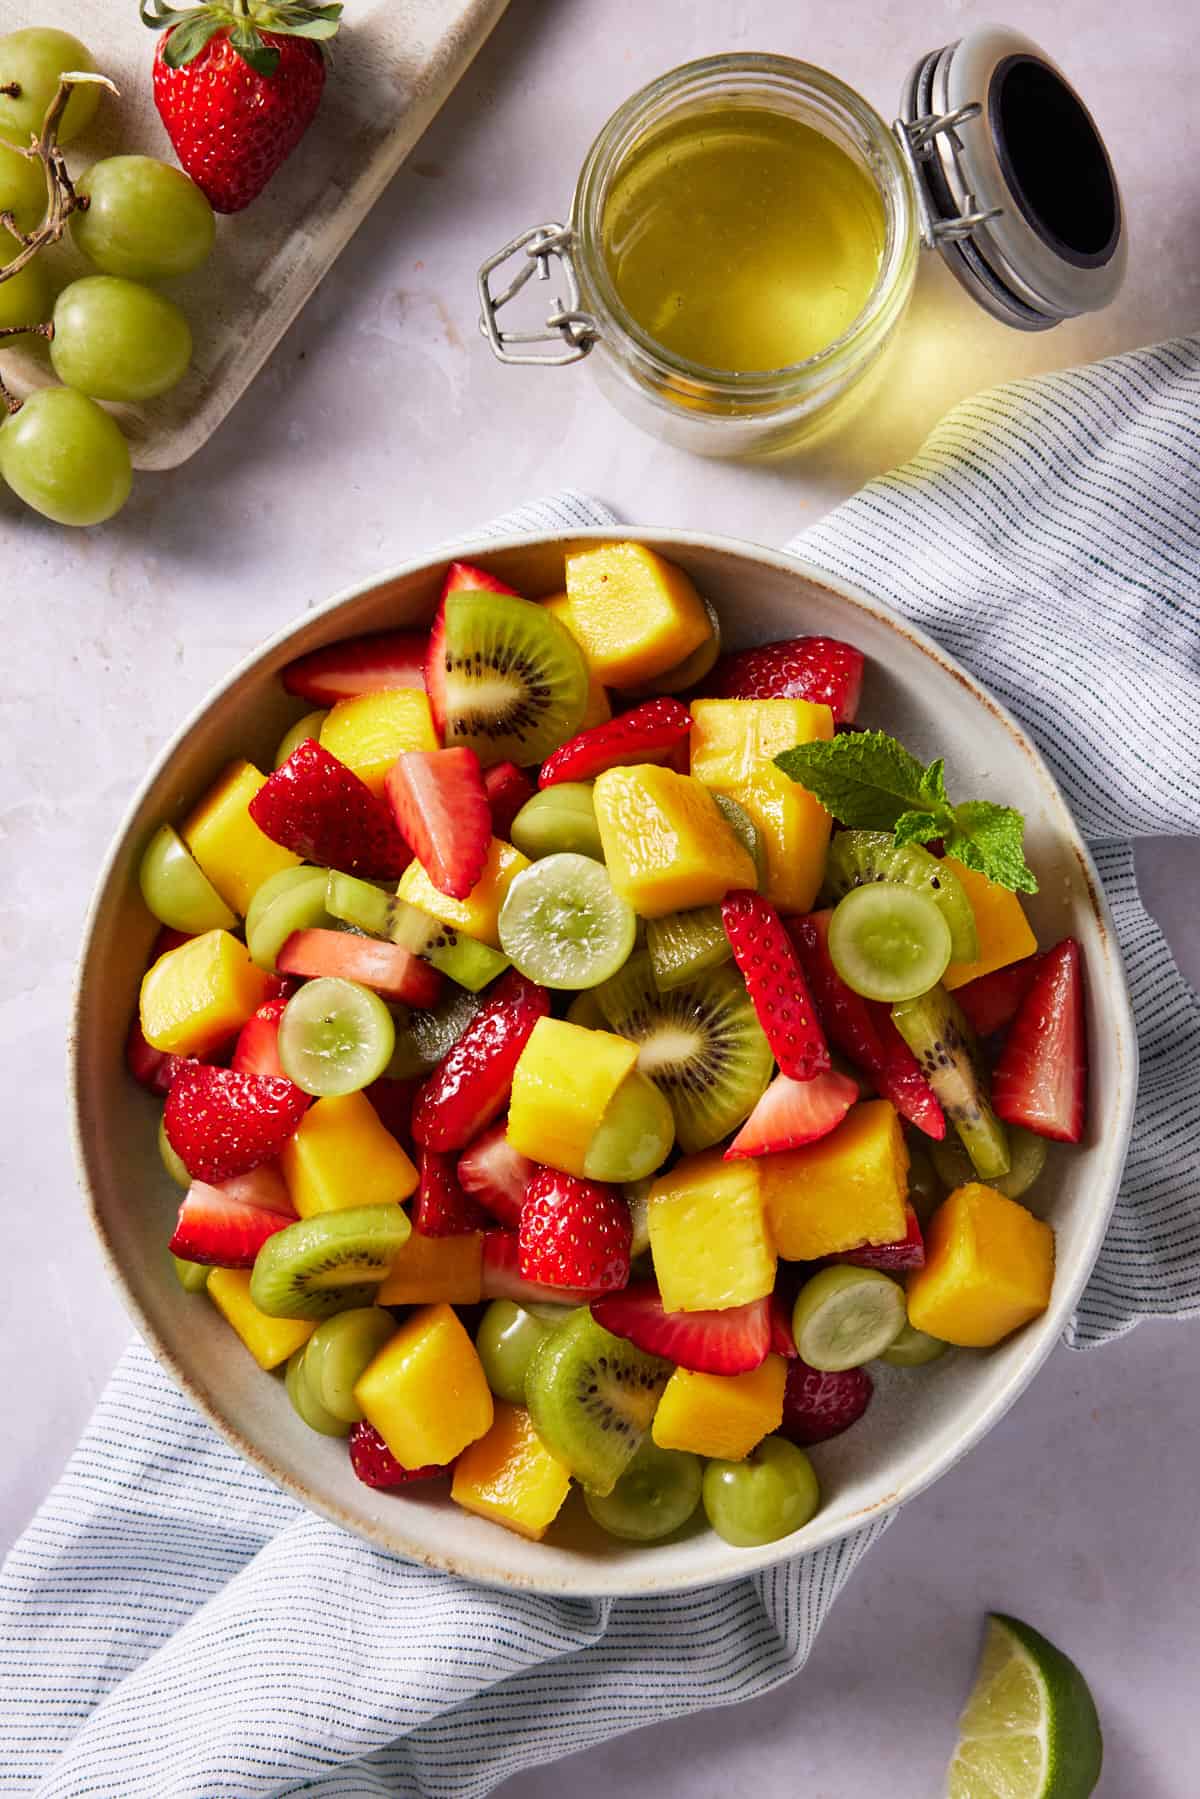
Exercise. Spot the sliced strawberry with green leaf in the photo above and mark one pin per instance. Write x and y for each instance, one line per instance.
(728, 1342)
(652, 732)
(470, 1085)
(507, 789)
(441, 1207)
(377, 663)
(822, 670)
(387, 968)
(818, 1405)
(775, 981)
(496, 1174)
(441, 809)
(376, 1466)
(791, 1113)
(317, 807)
(222, 1123)
(1040, 1080)
(574, 1233)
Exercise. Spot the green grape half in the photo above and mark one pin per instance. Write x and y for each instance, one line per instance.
(118, 340)
(65, 457)
(22, 188)
(33, 61)
(143, 219)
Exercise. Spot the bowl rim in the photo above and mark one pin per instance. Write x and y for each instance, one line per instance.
(620, 1579)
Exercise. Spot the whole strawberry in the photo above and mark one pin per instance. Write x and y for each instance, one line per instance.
(236, 83)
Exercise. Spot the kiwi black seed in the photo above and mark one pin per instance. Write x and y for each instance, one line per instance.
(327, 1263)
(516, 683)
(424, 1037)
(591, 1397)
(701, 1044)
(857, 857)
(934, 1028)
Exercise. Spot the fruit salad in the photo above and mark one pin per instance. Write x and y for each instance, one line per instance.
(589, 1058)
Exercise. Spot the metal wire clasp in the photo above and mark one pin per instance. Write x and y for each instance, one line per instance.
(567, 324)
(916, 139)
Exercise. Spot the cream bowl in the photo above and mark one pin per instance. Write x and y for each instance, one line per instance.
(921, 1421)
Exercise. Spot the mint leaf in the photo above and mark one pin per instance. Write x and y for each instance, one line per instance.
(990, 839)
(919, 827)
(933, 786)
(865, 778)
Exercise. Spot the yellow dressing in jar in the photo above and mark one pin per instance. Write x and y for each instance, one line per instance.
(742, 239)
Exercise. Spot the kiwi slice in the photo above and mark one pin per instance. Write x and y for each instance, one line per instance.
(701, 1045)
(329, 1263)
(746, 832)
(423, 1038)
(857, 857)
(954, 1166)
(584, 1010)
(514, 684)
(934, 1028)
(368, 908)
(592, 1397)
(685, 945)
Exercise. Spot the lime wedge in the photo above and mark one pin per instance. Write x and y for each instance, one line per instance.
(1029, 1729)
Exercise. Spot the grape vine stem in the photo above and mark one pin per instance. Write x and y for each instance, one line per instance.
(61, 198)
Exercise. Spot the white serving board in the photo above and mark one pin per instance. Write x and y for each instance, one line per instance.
(391, 66)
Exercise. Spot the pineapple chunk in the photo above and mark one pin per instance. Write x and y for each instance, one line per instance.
(269, 1340)
(341, 1155)
(1004, 931)
(426, 1392)
(199, 994)
(598, 710)
(846, 1189)
(235, 855)
(724, 1415)
(562, 1086)
(708, 1234)
(479, 914)
(368, 732)
(733, 746)
(667, 843)
(635, 614)
(510, 1476)
(425, 1269)
(989, 1267)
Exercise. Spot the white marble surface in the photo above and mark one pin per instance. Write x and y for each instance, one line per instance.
(381, 426)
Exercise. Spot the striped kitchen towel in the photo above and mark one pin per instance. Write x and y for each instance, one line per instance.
(174, 1627)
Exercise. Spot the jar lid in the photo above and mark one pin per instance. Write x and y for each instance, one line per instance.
(1014, 184)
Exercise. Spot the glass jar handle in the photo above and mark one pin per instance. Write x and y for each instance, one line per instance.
(567, 324)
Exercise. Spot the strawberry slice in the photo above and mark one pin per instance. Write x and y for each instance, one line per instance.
(440, 805)
(461, 577)
(441, 1208)
(387, 968)
(221, 1123)
(728, 1342)
(775, 981)
(574, 1233)
(893, 1258)
(393, 1103)
(371, 664)
(791, 1113)
(993, 1001)
(217, 1227)
(507, 790)
(467, 577)
(470, 1085)
(315, 805)
(822, 670)
(817, 1406)
(783, 1341)
(502, 1276)
(257, 1048)
(496, 1174)
(650, 733)
(863, 1030)
(150, 1067)
(376, 1466)
(1040, 1080)
(264, 1187)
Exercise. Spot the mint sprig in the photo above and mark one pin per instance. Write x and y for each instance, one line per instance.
(870, 782)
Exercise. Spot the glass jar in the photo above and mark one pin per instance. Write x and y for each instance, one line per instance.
(948, 175)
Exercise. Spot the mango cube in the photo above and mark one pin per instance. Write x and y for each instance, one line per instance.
(733, 746)
(667, 843)
(724, 1415)
(426, 1392)
(198, 995)
(562, 1086)
(510, 1476)
(599, 709)
(479, 914)
(635, 614)
(235, 855)
(426, 1269)
(1004, 931)
(368, 732)
(269, 1340)
(989, 1268)
(846, 1189)
(708, 1234)
(341, 1155)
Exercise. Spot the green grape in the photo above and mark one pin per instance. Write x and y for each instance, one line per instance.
(25, 298)
(192, 1276)
(658, 1492)
(143, 219)
(301, 731)
(506, 1339)
(177, 891)
(22, 188)
(65, 457)
(767, 1496)
(33, 60)
(117, 340)
(172, 1161)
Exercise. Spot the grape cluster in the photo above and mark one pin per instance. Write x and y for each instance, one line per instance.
(111, 336)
